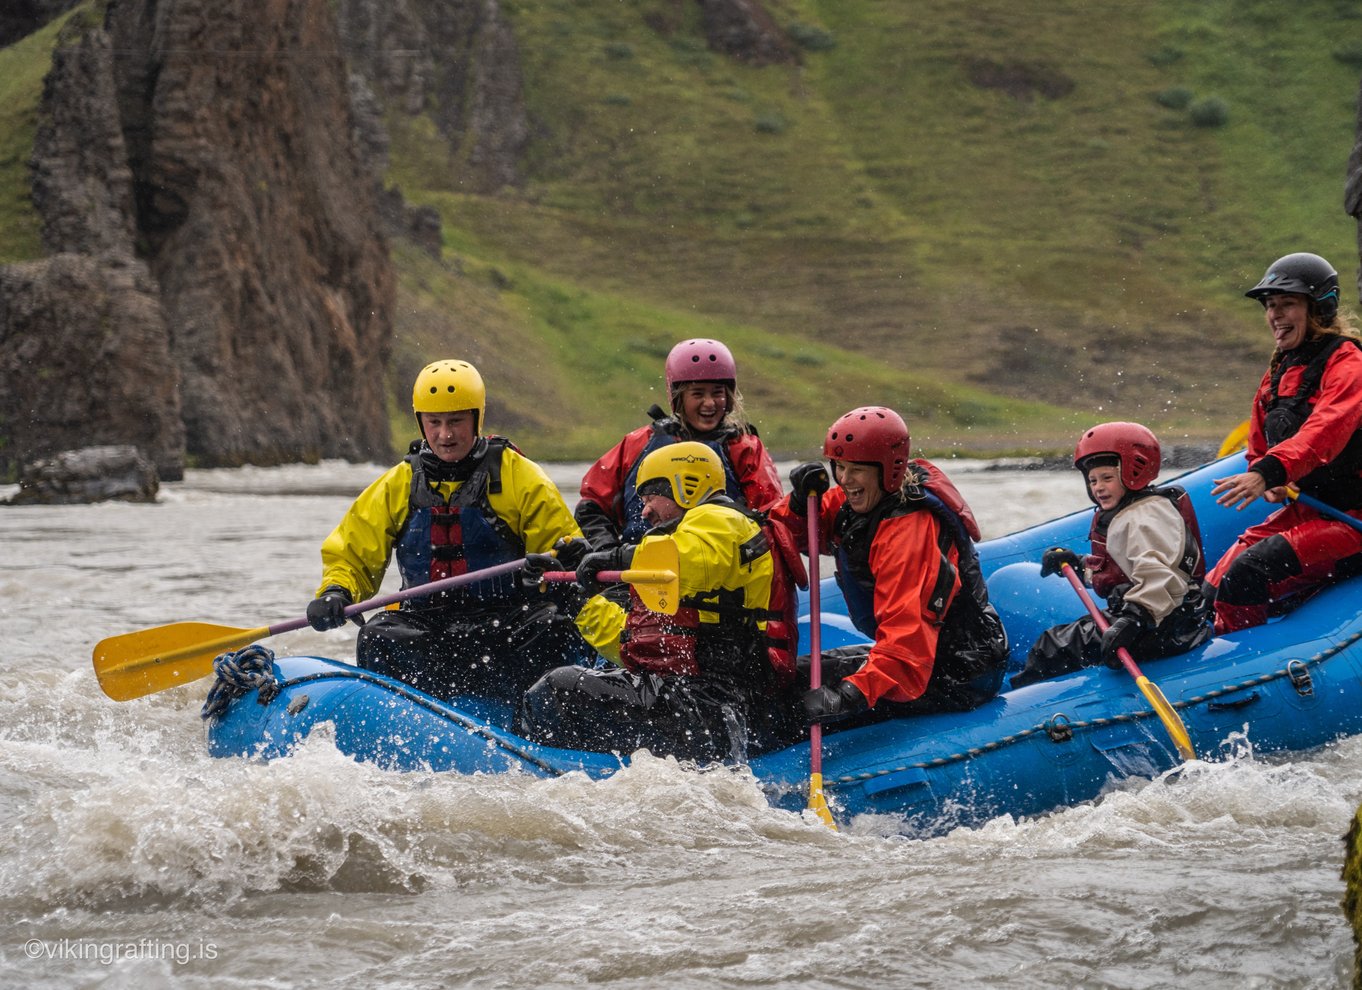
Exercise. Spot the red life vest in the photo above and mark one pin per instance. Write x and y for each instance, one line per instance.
(1106, 575)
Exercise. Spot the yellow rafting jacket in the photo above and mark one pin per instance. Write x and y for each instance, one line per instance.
(358, 551)
(708, 539)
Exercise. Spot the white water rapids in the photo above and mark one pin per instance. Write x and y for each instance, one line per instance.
(129, 858)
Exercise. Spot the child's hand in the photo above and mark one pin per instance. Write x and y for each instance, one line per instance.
(1055, 558)
(1124, 630)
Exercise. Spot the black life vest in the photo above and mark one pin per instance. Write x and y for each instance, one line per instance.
(1107, 576)
(972, 640)
(1336, 482)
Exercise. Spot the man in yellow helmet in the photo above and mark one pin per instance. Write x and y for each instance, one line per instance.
(459, 502)
(687, 683)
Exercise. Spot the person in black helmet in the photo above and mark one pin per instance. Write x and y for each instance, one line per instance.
(1305, 431)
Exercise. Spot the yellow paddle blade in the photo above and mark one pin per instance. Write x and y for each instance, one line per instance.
(654, 574)
(818, 802)
(157, 659)
(1236, 439)
(1169, 716)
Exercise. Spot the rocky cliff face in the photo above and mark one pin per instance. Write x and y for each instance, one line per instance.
(456, 62)
(216, 245)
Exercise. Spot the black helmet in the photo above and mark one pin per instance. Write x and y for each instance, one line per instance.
(1304, 274)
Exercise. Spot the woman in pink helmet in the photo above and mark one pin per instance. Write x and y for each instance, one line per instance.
(702, 386)
(706, 406)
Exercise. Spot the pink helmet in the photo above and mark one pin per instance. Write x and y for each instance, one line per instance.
(1134, 445)
(701, 361)
(872, 435)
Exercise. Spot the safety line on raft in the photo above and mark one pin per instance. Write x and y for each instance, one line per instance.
(1050, 726)
(270, 686)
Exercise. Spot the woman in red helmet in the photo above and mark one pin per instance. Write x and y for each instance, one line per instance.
(1146, 561)
(903, 538)
(1305, 431)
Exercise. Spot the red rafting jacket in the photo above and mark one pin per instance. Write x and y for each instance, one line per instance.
(905, 558)
(604, 481)
(1335, 416)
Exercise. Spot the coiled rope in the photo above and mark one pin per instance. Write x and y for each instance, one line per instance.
(239, 672)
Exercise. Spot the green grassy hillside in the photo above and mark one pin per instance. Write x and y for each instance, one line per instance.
(1006, 219)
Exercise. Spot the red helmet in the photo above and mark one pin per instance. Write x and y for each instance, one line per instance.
(701, 361)
(1136, 449)
(872, 435)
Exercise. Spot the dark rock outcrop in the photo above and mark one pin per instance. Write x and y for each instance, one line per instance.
(217, 245)
(259, 224)
(458, 63)
(85, 353)
(85, 358)
(91, 474)
(745, 30)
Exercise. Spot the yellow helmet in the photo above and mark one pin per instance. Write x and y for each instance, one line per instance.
(690, 472)
(449, 386)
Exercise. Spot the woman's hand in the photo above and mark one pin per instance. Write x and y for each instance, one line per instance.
(1239, 490)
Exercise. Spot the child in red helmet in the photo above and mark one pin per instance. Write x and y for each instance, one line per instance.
(1146, 561)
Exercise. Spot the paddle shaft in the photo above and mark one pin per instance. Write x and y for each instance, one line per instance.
(1325, 509)
(815, 636)
(818, 802)
(241, 637)
(1167, 714)
(1122, 654)
(417, 591)
(613, 577)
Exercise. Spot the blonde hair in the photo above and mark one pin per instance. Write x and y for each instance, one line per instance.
(735, 416)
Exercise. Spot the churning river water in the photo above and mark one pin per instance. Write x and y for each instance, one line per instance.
(130, 858)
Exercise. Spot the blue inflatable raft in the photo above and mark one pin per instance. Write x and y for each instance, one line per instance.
(1293, 684)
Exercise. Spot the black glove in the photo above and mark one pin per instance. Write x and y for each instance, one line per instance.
(1055, 558)
(1124, 630)
(592, 564)
(827, 704)
(536, 565)
(807, 479)
(327, 610)
(570, 553)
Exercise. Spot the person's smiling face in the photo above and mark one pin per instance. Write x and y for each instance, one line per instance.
(704, 405)
(1288, 317)
(861, 482)
(1105, 485)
